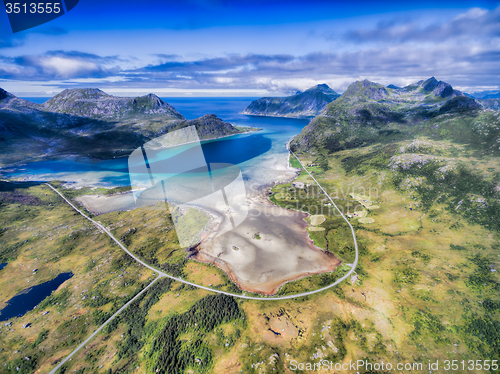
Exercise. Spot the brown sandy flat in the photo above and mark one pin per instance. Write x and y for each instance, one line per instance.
(284, 253)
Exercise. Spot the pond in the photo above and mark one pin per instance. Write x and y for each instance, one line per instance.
(30, 297)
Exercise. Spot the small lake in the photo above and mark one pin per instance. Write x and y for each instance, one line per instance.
(3, 265)
(29, 298)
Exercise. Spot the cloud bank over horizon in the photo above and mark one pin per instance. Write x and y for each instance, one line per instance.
(460, 46)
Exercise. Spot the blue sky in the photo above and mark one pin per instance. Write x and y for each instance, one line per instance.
(252, 48)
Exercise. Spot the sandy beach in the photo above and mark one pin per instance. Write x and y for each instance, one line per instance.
(269, 248)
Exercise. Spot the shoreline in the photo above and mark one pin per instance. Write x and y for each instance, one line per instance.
(284, 231)
(252, 268)
(270, 288)
(92, 160)
(267, 115)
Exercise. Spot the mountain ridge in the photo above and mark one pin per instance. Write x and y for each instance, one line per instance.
(301, 105)
(94, 103)
(485, 94)
(91, 124)
(369, 110)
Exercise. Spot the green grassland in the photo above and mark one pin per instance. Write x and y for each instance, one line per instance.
(149, 233)
(40, 231)
(424, 286)
(434, 242)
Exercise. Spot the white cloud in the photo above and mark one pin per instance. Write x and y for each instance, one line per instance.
(65, 68)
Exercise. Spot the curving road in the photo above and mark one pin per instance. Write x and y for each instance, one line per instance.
(162, 274)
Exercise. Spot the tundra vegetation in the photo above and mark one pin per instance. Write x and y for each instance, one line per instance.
(424, 168)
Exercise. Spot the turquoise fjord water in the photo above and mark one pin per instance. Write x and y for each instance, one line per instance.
(249, 151)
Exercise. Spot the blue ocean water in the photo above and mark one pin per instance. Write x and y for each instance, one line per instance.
(36, 100)
(248, 151)
(29, 298)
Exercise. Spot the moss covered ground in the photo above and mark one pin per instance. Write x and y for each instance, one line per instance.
(424, 289)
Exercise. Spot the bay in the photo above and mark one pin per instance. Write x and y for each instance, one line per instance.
(261, 155)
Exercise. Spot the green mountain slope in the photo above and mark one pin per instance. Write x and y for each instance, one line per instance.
(305, 104)
(368, 112)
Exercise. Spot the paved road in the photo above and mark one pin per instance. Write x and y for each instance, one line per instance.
(101, 327)
(102, 228)
(162, 274)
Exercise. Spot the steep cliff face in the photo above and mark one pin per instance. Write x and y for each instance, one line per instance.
(94, 103)
(367, 110)
(301, 105)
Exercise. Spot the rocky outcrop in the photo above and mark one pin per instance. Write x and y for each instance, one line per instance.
(209, 126)
(430, 85)
(301, 105)
(438, 88)
(13, 103)
(432, 88)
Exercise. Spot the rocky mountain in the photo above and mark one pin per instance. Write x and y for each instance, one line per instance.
(493, 104)
(91, 123)
(485, 95)
(94, 103)
(367, 111)
(210, 126)
(301, 105)
(11, 102)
